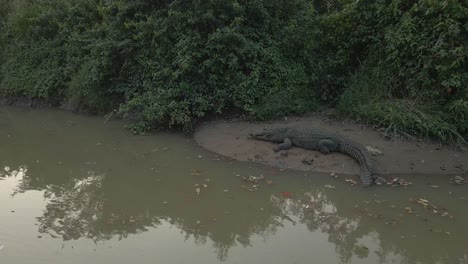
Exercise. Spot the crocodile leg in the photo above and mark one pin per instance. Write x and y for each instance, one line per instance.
(287, 144)
(327, 145)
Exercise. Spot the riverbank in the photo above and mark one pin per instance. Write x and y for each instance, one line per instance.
(398, 155)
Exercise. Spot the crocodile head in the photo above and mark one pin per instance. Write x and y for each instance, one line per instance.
(276, 135)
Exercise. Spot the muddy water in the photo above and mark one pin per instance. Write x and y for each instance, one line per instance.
(74, 189)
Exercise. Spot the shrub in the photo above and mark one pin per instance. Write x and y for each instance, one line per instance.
(367, 98)
(170, 64)
(166, 64)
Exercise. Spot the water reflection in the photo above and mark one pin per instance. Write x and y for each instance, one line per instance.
(96, 207)
(103, 186)
(100, 208)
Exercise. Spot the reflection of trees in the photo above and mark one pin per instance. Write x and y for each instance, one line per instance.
(349, 221)
(72, 210)
(101, 206)
(7, 172)
(317, 212)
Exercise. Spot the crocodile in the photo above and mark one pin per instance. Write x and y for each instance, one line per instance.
(321, 140)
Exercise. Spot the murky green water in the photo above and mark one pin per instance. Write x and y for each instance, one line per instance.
(74, 189)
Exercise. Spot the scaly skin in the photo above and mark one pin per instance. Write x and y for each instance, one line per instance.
(320, 140)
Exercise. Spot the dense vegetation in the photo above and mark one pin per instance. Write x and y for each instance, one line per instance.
(400, 64)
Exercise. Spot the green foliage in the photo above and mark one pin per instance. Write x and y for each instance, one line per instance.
(34, 70)
(422, 43)
(289, 95)
(367, 99)
(419, 46)
(164, 64)
(457, 113)
(170, 63)
(215, 57)
(427, 48)
(4, 11)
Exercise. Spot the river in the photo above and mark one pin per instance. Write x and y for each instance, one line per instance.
(76, 189)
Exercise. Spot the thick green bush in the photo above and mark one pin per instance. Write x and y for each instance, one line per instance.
(419, 46)
(368, 98)
(165, 64)
(171, 63)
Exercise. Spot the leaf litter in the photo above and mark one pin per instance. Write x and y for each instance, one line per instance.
(458, 180)
(436, 210)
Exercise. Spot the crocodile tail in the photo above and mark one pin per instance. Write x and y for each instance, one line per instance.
(366, 177)
(363, 157)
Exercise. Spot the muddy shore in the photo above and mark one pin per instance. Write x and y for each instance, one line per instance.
(230, 138)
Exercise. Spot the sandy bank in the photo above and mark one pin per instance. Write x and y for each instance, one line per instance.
(400, 156)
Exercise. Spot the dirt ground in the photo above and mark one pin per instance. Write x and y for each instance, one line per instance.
(230, 138)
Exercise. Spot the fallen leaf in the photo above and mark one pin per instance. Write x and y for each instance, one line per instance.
(196, 172)
(458, 180)
(351, 181)
(374, 151)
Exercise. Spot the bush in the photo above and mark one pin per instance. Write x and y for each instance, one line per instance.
(170, 64)
(34, 70)
(367, 99)
(419, 46)
(164, 64)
